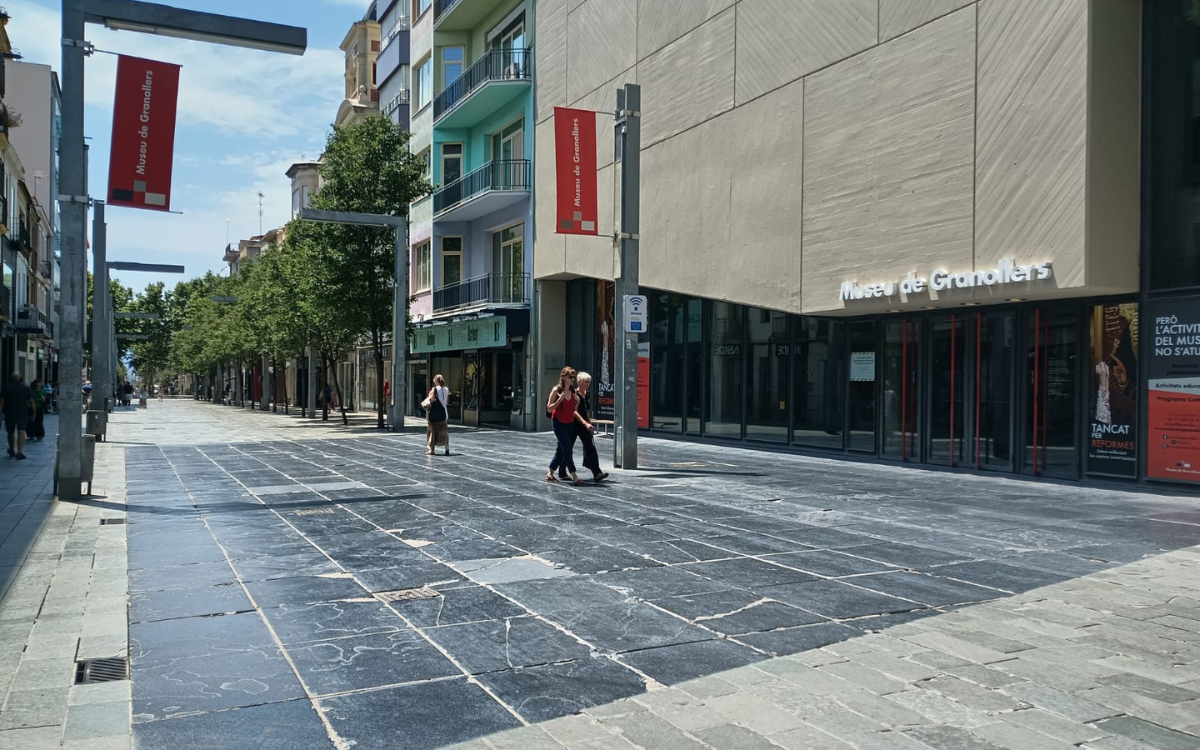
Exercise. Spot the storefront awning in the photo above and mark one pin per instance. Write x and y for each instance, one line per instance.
(478, 332)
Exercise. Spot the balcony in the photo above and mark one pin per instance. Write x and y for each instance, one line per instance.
(494, 80)
(460, 15)
(400, 25)
(23, 239)
(483, 291)
(31, 321)
(47, 270)
(5, 302)
(491, 187)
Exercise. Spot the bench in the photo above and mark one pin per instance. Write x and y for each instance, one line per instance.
(603, 426)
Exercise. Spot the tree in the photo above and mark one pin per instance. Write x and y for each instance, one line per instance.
(151, 357)
(366, 168)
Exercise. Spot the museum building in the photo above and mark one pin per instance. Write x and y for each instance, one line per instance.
(960, 234)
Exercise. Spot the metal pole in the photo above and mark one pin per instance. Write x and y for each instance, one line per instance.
(73, 203)
(400, 329)
(313, 382)
(101, 305)
(629, 154)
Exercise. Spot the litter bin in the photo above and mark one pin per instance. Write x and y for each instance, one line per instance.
(88, 461)
(97, 423)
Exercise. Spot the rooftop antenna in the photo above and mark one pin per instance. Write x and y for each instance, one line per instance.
(227, 233)
(260, 213)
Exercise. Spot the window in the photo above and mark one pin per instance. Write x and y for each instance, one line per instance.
(451, 261)
(452, 65)
(726, 388)
(423, 83)
(452, 155)
(424, 156)
(422, 267)
(508, 263)
(420, 6)
(508, 40)
(509, 143)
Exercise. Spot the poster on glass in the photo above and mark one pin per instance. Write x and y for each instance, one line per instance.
(1113, 406)
(1173, 416)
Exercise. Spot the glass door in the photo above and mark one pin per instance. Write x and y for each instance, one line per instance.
(947, 390)
(901, 382)
(1051, 418)
(863, 401)
(693, 392)
(993, 354)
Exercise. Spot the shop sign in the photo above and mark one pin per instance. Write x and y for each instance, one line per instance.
(1006, 272)
(1173, 439)
(143, 135)
(484, 333)
(1112, 448)
(575, 171)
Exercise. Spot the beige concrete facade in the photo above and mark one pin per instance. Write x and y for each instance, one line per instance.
(792, 146)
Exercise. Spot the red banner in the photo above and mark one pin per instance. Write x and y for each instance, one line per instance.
(575, 169)
(143, 137)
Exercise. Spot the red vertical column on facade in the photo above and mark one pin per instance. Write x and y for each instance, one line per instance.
(978, 378)
(904, 390)
(1045, 392)
(953, 345)
(1037, 377)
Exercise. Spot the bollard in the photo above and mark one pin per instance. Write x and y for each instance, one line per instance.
(97, 424)
(88, 461)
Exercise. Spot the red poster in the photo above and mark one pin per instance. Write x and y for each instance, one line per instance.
(1173, 417)
(643, 385)
(575, 170)
(143, 138)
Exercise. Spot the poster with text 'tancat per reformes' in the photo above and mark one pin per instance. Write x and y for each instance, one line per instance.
(1173, 432)
(1113, 406)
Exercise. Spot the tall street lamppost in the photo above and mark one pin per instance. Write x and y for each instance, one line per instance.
(129, 15)
(399, 225)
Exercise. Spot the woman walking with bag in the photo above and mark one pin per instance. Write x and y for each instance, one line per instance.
(437, 407)
(562, 407)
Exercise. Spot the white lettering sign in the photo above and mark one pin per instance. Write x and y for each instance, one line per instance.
(939, 280)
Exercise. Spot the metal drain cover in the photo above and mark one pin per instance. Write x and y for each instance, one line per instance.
(101, 670)
(315, 512)
(111, 521)
(407, 595)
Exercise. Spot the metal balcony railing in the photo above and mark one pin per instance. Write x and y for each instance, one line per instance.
(47, 270)
(401, 24)
(503, 175)
(493, 289)
(442, 7)
(504, 64)
(31, 319)
(400, 99)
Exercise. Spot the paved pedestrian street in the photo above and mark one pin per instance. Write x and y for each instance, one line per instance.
(292, 586)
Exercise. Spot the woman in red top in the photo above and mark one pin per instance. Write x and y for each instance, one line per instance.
(562, 408)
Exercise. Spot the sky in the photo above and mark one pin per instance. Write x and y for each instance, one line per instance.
(244, 117)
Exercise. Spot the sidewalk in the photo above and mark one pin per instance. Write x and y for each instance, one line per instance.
(286, 587)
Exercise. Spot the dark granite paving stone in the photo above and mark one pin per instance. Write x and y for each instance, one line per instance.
(672, 665)
(158, 555)
(770, 525)
(555, 690)
(303, 623)
(659, 583)
(581, 523)
(303, 590)
(175, 577)
(325, 524)
(999, 575)
(529, 507)
(275, 726)
(1060, 563)
(628, 626)
(686, 528)
(168, 640)
(631, 536)
(823, 537)
(879, 623)
(1120, 553)
(736, 612)
(479, 518)
(712, 512)
(473, 549)
(754, 544)
(926, 589)
(374, 541)
(685, 551)
(601, 559)
(747, 573)
(830, 563)
(458, 605)
(414, 572)
(262, 567)
(421, 716)
(907, 555)
(441, 502)
(795, 640)
(438, 531)
(838, 600)
(535, 537)
(147, 606)
(284, 544)
(368, 661)
(495, 645)
(212, 683)
(395, 515)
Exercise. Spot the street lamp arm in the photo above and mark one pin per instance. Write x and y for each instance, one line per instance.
(349, 217)
(163, 20)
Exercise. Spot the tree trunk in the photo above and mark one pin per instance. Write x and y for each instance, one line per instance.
(324, 384)
(337, 388)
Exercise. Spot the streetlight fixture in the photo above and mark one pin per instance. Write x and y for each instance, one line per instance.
(399, 225)
(129, 15)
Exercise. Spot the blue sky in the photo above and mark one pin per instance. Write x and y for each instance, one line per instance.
(244, 117)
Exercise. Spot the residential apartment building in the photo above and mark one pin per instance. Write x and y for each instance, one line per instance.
(960, 234)
(392, 68)
(472, 109)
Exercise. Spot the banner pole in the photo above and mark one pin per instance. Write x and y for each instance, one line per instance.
(628, 131)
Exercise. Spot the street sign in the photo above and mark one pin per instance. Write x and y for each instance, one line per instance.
(636, 313)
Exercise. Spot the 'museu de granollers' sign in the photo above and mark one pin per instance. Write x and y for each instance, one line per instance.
(575, 171)
(143, 137)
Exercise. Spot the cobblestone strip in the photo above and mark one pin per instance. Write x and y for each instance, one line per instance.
(69, 602)
(1110, 661)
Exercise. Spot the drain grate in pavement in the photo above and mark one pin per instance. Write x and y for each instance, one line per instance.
(407, 595)
(111, 521)
(93, 671)
(315, 512)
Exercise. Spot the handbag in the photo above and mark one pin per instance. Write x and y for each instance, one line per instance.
(426, 404)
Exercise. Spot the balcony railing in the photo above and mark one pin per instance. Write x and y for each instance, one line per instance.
(492, 289)
(47, 270)
(401, 24)
(23, 238)
(31, 320)
(503, 175)
(442, 7)
(400, 99)
(504, 64)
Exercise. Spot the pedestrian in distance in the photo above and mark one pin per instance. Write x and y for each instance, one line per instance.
(16, 403)
(562, 408)
(127, 393)
(37, 429)
(437, 411)
(585, 431)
